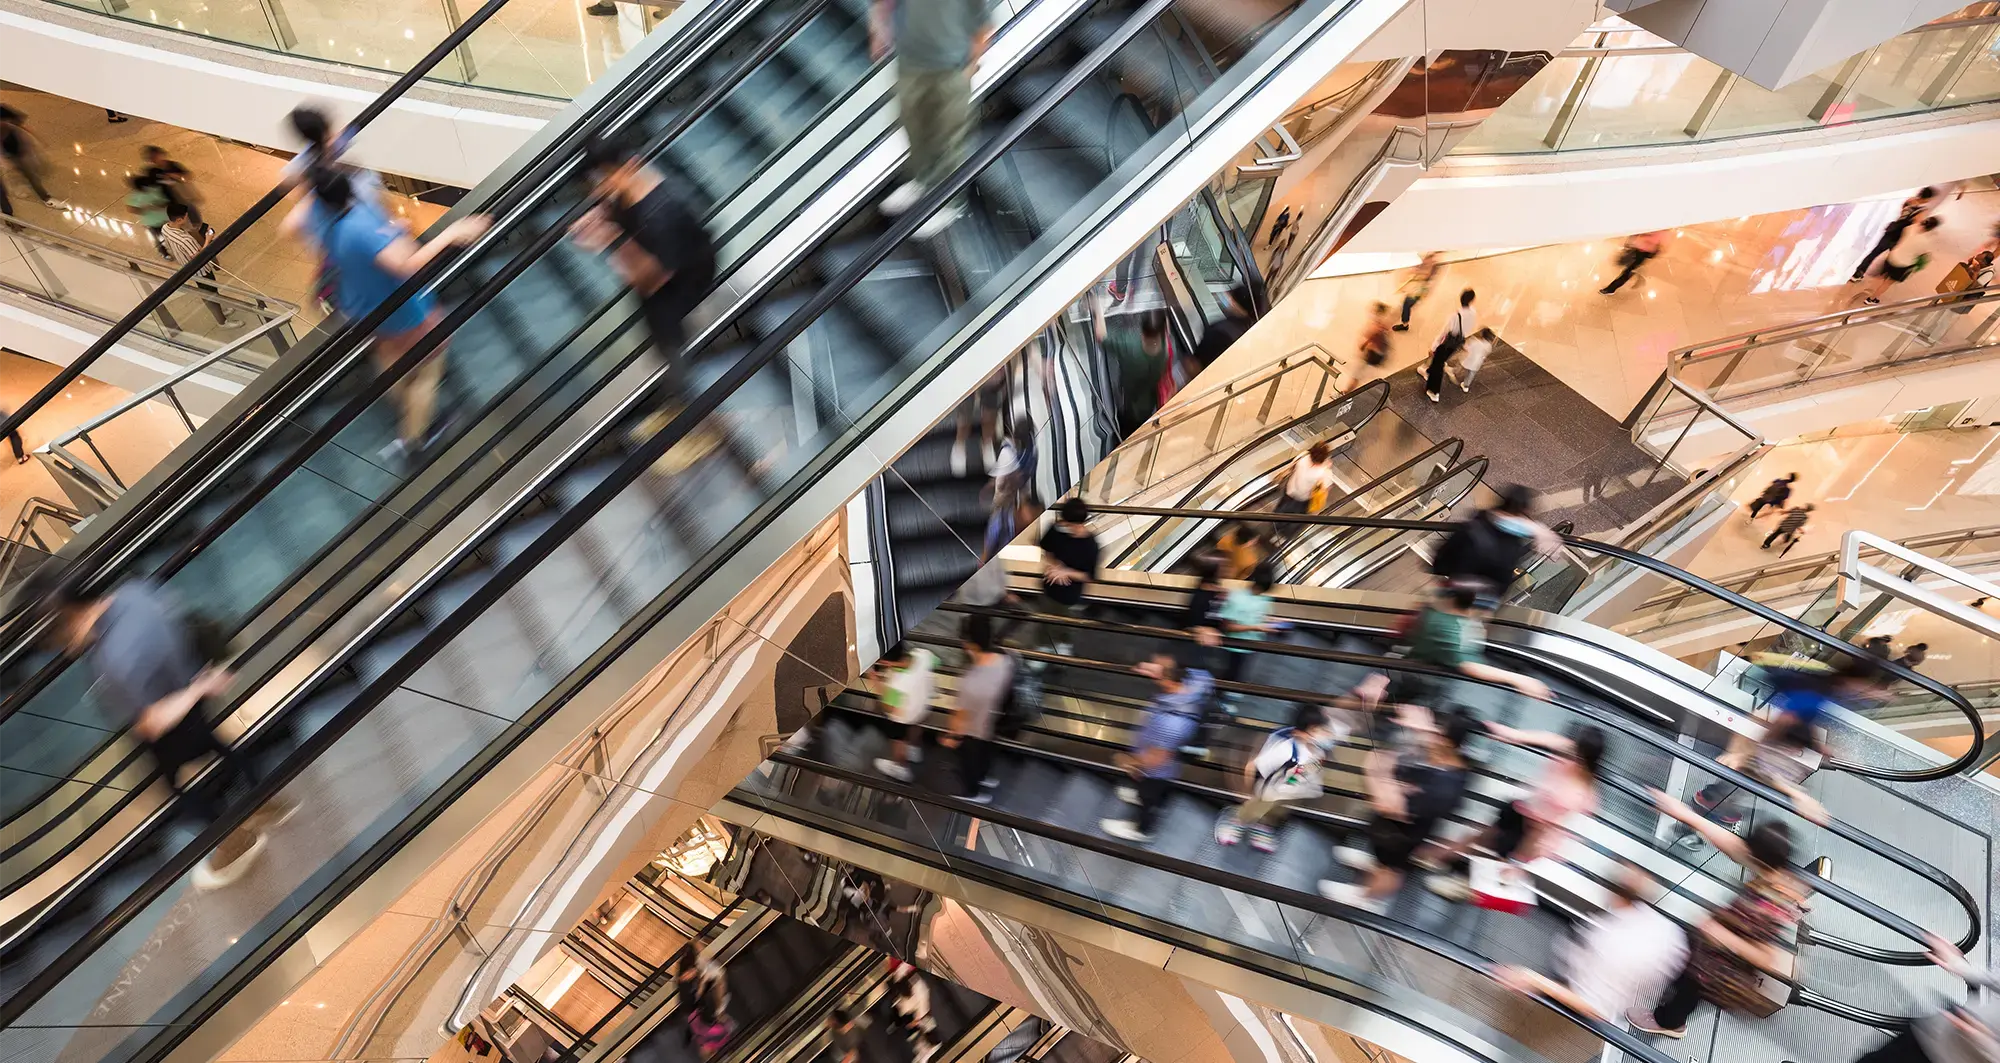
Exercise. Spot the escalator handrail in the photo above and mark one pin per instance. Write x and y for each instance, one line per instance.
(651, 983)
(1596, 714)
(360, 402)
(1379, 387)
(639, 460)
(190, 269)
(1659, 568)
(1474, 472)
(1203, 873)
(315, 366)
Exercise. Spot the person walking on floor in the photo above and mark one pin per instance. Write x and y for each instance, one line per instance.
(184, 240)
(1790, 527)
(14, 439)
(936, 43)
(24, 152)
(1374, 343)
(1638, 251)
(1478, 347)
(1730, 948)
(1462, 325)
(369, 257)
(178, 183)
(1172, 721)
(1418, 284)
(1278, 225)
(147, 201)
(1285, 771)
(1903, 261)
(983, 692)
(1775, 495)
(1914, 655)
(1913, 210)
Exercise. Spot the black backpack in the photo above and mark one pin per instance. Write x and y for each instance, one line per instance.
(1023, 708)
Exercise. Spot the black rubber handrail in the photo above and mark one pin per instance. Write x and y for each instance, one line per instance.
(720, 87)
(640, 459)
(1377, 387)
(313, 367)
(1443, 948)
(1473, 472)
(1660, 568)
(1618, 722)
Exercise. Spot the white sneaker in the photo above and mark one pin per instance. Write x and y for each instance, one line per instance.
(1433, 396)
(940, 223)
(1228, 831)
(1124, 829)
(983, 797)
(1353, 896)
(210, 875)
(903, 198)
(1358, 859)
(958, 458)
(892, 769)
(1128, 794)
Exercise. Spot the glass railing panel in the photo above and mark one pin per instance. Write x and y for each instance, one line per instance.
(1525, 122)
(1980, 79)
(1629, 103)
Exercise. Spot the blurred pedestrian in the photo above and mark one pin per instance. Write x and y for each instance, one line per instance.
(908, 682)
(709, 1027)
(846, 1033)
(1069, 563)
(152, 678)
(1913, 210)
(1956, 1033)
(1307, 481)
(324, 146)
(1450, 632)
(147, 201)
(1408, 796)
(1790, 527)
(183, 241)
(1173, 718)
(666, 258)
(937, 44)
(178, 183)
(1137, 345)
(1638, 250)
(20, 148)
(984, 689)
(1737, 943)
(1464, 322)
(1239, 312)
(1622, 958)
(910, 1001)
(1284, 772)
(14, 439)
(1278, 226)
(369, 258)
(1906, 259)
(1478, 347)
(1246, 614)
(1239, 549)
(1418, 284)
(1914, 655)
(1535, 825)
(1493, 545)
(1374, 342)
(1775, 495)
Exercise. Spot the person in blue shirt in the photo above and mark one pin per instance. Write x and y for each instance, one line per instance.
(1172, 721)
(369, 257)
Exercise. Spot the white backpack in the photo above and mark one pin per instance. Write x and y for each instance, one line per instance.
(1287, 769)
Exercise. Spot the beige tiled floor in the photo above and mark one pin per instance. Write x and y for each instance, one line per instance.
(1714, 280)
(133, 445)
(91, 160)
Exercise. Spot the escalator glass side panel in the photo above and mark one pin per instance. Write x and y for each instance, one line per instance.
(526, 340)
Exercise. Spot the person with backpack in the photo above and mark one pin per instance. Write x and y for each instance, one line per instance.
(369, 257)
(1492, 546)
(985, 689)
(1172, 721)
(1775, 495)
(1464, 322)
(909, 682)
(1285, 771)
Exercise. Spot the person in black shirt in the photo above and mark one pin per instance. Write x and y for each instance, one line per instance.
(1238, 314)
(1069, 561)
(1775, 495)
(1493, 544)
(1410, 796)
(178, 182)
(667, 257)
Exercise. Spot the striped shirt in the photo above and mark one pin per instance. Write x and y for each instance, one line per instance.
(184, 246)
(1794, 520)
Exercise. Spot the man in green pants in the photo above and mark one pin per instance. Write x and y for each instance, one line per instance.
(937, 43)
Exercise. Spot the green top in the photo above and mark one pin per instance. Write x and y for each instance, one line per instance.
(1138, 370)
(151, 203)
(937, 34)
(1444, 639)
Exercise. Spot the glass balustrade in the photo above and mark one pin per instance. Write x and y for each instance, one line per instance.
(1620, 87)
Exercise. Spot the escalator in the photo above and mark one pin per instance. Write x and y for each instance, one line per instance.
(1056, 781)
(618, 537)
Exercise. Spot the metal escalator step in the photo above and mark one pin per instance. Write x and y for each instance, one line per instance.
(929, 460)
(832, 50)
(771, 102)
(936, 509)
